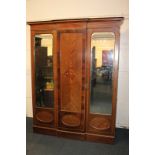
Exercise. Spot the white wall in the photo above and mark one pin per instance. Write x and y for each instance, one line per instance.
(38, 10)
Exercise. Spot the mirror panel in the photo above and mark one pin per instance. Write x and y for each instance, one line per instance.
(44, 83)
(102, 52)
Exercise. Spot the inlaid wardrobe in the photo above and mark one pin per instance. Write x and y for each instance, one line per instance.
(74, 77)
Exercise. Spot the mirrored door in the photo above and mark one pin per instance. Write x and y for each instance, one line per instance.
(101, 60)
(44, 79)
(102, 52)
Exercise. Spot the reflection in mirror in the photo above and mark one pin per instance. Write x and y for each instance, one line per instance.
(44, 84)
(102, 51)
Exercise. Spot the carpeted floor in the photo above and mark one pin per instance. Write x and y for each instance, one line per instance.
(38, 144)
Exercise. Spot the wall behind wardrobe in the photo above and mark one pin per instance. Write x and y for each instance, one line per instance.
(38, 10)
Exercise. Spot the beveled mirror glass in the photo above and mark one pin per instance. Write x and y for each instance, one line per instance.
(102, 52)
(44, 82)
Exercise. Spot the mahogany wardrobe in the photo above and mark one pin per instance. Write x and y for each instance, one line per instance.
(74, 77)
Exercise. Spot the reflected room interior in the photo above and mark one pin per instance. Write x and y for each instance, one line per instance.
(102, 49)
(44, 85)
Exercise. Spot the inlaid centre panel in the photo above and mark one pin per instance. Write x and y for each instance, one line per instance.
(71, 71)
(72, 76)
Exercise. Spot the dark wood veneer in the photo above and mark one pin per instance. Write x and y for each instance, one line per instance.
(70, 117)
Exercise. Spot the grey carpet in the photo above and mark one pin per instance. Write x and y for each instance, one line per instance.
(38, 144)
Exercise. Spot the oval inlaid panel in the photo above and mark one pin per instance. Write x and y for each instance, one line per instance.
(44, 117)
(100, 123)
(70, 120)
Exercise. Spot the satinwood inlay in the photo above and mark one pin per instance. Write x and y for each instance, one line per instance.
(71, 120)
(44, 117)
(100, 123)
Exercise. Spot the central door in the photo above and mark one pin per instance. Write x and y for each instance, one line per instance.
(71, 109)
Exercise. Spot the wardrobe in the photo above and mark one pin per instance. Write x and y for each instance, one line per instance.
(74, 77)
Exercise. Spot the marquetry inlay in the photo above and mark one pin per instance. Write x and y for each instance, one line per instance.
(44, 117)
(71, 120)
(100, 123)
